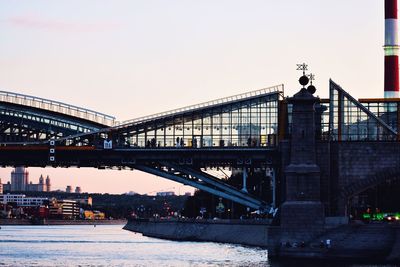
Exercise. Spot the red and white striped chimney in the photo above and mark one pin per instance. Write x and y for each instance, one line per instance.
(391, 50)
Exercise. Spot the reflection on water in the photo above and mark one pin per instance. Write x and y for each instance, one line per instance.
(109, 245)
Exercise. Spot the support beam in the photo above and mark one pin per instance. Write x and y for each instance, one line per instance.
(273, 181)
(214, 182)
(244, 189)
(196, 184)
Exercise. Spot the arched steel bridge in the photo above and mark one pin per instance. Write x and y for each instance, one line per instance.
(245, 131)
(234, 132)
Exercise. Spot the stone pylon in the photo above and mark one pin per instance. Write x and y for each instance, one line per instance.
(302, 206)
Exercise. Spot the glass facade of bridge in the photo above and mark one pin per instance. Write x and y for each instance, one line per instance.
(351, 120)
(249, 122)
(385, 109)
(258, 118)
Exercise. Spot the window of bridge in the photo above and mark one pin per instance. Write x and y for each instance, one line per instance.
(141, 140)
(364, 120)
(387, 111)
(252, 122)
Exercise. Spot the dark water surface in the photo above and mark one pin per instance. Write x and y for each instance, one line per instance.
(109, 245)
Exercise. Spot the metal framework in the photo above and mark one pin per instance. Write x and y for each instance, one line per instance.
(239, 132)
(248, 120)
(27, 119)
(352, 121)
(58, 107)
(209, 104)
(205, 182)
(387, 109)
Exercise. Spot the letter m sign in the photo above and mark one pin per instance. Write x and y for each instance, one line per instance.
(107, 144)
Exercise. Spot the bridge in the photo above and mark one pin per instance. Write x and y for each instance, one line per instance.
(356, 142)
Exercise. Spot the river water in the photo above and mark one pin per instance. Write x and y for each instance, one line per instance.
(109, 245)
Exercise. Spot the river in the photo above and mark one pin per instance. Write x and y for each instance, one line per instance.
(109, 245)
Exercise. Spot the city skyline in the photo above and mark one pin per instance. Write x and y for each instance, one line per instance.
(131, 58)
(74, 182)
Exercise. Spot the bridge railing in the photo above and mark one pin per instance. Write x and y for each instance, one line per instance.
(55, 106)
(268, 90)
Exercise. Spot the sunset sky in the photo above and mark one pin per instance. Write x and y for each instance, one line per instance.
(133, 58)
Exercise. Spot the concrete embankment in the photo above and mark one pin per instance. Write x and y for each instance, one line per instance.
(370, 242)
(251, 233)
(15, 222)
(364, 242)
(61, 222)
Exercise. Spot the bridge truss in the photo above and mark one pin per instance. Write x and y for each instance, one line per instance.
(238, 132)
(25, 118)
(241, 132)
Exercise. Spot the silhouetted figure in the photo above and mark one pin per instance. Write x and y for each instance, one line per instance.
(182, 143)
(153, 142)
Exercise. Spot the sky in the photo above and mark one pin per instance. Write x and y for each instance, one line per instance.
(134, 58)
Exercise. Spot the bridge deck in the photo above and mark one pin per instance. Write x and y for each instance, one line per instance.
(90, 156)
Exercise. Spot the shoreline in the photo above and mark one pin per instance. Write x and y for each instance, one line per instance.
(62, 222)
(359, 242)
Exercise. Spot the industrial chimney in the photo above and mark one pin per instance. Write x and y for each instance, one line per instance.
(391, 48)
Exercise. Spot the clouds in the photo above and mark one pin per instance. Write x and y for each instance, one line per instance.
(56, 25)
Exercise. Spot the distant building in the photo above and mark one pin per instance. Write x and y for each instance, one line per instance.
(40, 187)
(88, 215)
(19, 179)
(1, 187)
(85, 201)
(22, 200)
(48, 184)
(63, 209)
(68, 189)
(93, 215)
(98, 215)
(78, 189)
(165, 194)
(20, 182)
(7, 187)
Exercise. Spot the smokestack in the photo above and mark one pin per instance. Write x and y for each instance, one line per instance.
(391, 50)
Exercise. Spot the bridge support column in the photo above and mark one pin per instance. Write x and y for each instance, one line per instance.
(302, 207)
(244, 189)
(273, 184)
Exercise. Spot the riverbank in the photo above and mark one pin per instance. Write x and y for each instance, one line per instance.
(243, 232)
(62, 222)
(359, 242)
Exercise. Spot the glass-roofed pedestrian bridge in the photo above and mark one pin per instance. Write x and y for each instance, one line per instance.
(242, 132)
(258, 118)
(249, 119)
